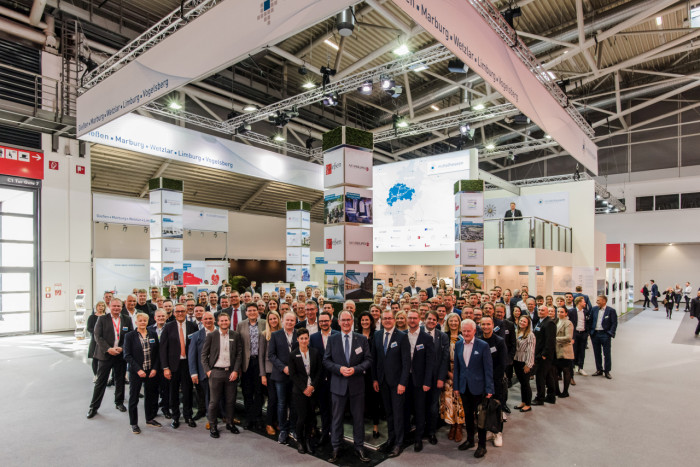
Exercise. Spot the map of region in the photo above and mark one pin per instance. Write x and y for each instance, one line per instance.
(399, 192)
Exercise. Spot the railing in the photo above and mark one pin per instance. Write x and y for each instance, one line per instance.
(36, 94)
(527, 232)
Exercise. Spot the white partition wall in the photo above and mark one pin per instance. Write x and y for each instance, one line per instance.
(298, 241)
(166, 253)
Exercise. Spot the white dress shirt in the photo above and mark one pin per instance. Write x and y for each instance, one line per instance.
(412, 339)
(224, 360)
(599, 323)
(467, 354)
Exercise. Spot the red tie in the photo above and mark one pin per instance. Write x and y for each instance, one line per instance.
(235, 318)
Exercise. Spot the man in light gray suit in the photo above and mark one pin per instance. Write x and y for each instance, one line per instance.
(251, 330)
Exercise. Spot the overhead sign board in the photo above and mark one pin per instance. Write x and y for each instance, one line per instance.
(21, 162)
(231, 31)
(459, 26)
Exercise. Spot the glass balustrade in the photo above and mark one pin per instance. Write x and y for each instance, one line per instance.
(527, 232)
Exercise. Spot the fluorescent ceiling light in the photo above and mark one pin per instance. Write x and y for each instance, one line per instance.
(331, 44)
(402, 50)
(250, 108)
(479, 107)
(308, 85)
(279, 138)
(659, 20)
(435, 107)
(175, 105)
(490, 146)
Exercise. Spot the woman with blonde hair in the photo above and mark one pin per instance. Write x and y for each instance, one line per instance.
(451, 409)
(401, 323)
(273, 324)
(524, 360)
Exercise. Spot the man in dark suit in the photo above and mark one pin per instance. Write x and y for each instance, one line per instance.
(224, 307)
(499, 359)
(143, 306)
(505, 329)
(602, 328)
(347, 358)
(390, 371)
(328, 308)
(251, 330)
(580, 318)
(200, 381)
(579, 293)
(420, 377)
(213, 305)
(513, 214)
(545, 353)
(319, 341)
(310, 321)
(412, 289)
(695, 312)
(655, 295)
(109, 338)
(163, 384)
(305, 372)
(432, 291)
(473, 380)
(141, 353)
(174, 343)
(280, 347)
(439, 366)
(251, 288)
(222, 355)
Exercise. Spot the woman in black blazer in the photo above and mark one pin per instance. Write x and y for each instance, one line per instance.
(372, 398)
(669, 297)
(142, 371)
(305, 373)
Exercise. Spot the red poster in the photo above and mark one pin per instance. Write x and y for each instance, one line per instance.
(21, 162)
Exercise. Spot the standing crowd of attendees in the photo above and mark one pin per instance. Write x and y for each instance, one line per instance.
(419, 358)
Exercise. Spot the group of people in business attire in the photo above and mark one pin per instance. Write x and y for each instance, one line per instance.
(441, 368)
(672, 297)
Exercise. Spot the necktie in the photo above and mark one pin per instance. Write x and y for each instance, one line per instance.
(235, 318)
(386, 341)
(182, 340)
(347, 348)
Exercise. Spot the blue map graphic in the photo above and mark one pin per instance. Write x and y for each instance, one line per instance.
(400, 192)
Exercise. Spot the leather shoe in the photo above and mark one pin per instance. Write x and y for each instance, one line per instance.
(361, 454)
(91, 413)
(233, 429)
(311, 447)
(301, 448)
(395, 451)
(607, 375)
(506, 409)
(375, 434)
(432, 439)
(120, 407)
(418, 447)
(466, 445)
(167, 414)
(537, 402)
(597, 373)
(135, 429)
(191, 423)
(324, 439)
(334, 456)
(214, 432)
(175, 424)
(551, 400)
(480, 452)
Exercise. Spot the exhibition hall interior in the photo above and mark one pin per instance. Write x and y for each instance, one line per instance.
(314, 232)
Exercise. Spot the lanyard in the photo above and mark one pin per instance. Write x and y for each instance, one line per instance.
(117, 328)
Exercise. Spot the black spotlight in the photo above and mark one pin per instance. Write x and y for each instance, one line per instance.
(303, 70)
(326, 74)
(330, 99)
(510, 14)
(457, 66)
(243, 129)
(309, 143)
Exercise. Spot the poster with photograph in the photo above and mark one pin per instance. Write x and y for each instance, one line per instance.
(334, 282)
(333, 204)
(469, 253)
(165, 274)
(359, 282)
(305, 238)
(358, 206)
(469, 278)
(469, 229)
(171, 227)
(469, 204)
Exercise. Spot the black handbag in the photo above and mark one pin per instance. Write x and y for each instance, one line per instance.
(489, 415)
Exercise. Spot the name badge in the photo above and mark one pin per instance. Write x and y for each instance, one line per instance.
(190, 336)
(230, 340)
(358, 350)
(606, 317)
(419, 347)
(537, 328)
(476, 352)
(152, 341)
(507, 331)
(493, 349)
(299, 356)
(393, 344)
(497, 328)
(125, 328)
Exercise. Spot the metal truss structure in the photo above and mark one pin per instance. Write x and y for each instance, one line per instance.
(164, 28)
(281, 145)
(503, 110)
(494, 18)
(428, 56)
(517, 148)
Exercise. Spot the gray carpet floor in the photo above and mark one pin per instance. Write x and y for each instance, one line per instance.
(645, 416)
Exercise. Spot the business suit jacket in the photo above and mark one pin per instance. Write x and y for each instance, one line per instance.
(565, 334)
(360, 361)
(609, 320)
(170, 344)
(194, 354)
(506, 330)
(545, 339)
(585, 298)
(573, 317)
(316, 341)
(244, 331)
(133, 352)
(211, 349)
(432, 291)
(278, 352)
(510, 217)
(297, 371)
(408, 289)
(499, 355)
(104, 335)
(478, 376)
(655, 290)
(421, 364)
(441, 357)
(392, 368)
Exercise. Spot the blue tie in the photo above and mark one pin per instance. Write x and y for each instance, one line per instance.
(386, 341)
(347, 348)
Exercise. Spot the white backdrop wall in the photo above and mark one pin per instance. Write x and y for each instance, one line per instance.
(668, 266)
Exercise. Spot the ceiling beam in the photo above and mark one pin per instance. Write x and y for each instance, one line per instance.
(156, 174)
(255, 195)
(97, 20)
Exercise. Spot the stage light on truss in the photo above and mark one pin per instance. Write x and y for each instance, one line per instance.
(279, 138)
(386, 82)
(366, 87)
(308, 85)
(250, 108)
(402, 50)
(479, 107)
(330, 99)
(548, 136)
(243, 129)
(464, 128)
(174, 105)
(490, 147)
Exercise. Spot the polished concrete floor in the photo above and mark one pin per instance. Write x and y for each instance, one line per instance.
(645, 416)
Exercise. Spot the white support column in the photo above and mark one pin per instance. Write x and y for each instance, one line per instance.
(469, 234)
(166, 232)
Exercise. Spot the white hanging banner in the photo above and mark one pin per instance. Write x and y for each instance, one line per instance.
(230, 32)
(458, 25)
